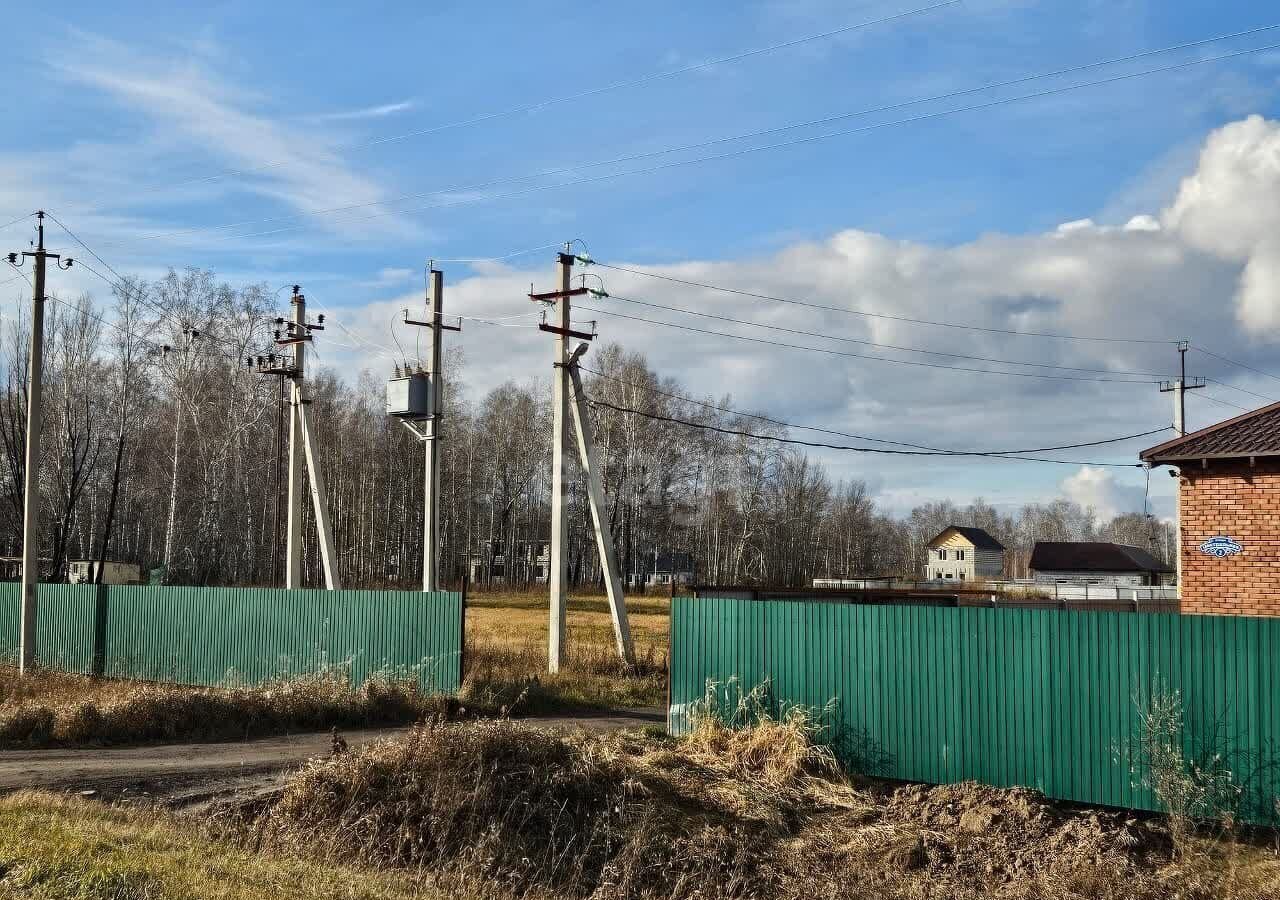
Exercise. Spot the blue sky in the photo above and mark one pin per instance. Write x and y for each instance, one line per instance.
(133, 116)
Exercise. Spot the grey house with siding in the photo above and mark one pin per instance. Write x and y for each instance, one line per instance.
(960, 553)
(1096, 562)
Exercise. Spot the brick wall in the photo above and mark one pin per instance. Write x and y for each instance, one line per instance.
(1231, 498)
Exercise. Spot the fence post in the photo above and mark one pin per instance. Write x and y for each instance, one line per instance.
(98, 667)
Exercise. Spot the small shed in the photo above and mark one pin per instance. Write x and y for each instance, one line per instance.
(1096, 562)
(85, 571)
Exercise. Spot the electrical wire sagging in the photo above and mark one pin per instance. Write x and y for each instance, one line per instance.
(874, 450)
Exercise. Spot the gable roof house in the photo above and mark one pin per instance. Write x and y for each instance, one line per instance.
(1228, 513)
(1095, 562)
(961, 553)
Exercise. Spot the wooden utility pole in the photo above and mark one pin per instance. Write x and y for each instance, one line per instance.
(567, 383)
(428, 430)
(31, 474)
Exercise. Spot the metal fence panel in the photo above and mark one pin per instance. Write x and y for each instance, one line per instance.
(221, 636)
(1045, 699)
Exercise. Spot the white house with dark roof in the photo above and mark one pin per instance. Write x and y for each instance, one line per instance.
(1096, 562)
(960, 553)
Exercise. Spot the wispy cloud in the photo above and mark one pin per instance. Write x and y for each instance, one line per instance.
(369, 112)
(201, 114)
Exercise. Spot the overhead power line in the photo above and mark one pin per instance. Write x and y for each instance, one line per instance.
(1241, 390)
(120, 284)
(1235, 363)
(866, 343)
(794, 301)
(590, 92)
(853, 449)
(782, 145)
(851, 355)
(1221, 402)
(22, 218)
(862, 437)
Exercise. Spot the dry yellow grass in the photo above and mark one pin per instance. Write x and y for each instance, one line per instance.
(521, 618)
(760, 811)
(48, 708)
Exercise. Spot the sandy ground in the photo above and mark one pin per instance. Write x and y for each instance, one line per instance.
(193, 775)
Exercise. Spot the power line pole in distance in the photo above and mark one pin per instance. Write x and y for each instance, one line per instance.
(1179, 388)
(31, 474)
(428, 429)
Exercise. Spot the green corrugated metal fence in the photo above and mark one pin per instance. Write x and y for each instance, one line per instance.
(214, 636)
(1038, 698)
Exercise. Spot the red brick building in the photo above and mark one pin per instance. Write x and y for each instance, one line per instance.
(1229, 513)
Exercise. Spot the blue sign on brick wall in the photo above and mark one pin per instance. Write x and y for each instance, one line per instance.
(1221, 546)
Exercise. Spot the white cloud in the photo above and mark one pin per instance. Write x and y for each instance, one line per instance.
(194, 109)
(1097, 489)
(1162, 276)
(380, 111)
(1228, 207)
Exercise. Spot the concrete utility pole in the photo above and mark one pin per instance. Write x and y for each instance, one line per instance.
(429, 431)
(303, 450)
(293, 501)
(31, 474)
(559, 575)
(431, 475)
(1179, 389)
(567, 384)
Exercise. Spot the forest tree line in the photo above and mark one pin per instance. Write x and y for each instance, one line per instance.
(160, 447)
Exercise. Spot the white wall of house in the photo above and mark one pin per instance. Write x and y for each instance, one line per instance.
(954, 558)
(1111, 579)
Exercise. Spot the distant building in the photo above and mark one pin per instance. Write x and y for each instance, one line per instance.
(85, 571)
(492, 565)
(963, 554)
(1228, 513)
(666, 568)
(1096, 562)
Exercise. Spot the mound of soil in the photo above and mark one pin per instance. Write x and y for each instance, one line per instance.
(759, 812)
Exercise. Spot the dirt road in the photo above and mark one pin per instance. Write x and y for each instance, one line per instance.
(186, 775)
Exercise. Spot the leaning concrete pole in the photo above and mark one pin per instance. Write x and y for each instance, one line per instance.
(600, 515)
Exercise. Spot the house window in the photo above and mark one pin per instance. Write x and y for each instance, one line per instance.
(939, 575)
(960, 554)
(942, 554)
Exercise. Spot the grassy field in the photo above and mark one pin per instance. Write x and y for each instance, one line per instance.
(519, 619)
(506, 655)
(60, 848)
